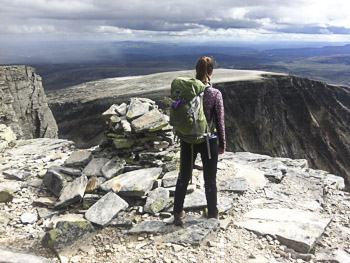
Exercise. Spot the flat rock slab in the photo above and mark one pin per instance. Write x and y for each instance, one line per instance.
(334, 256)
(79, 159)
(105, 209)
(254, 176)
(39, 146)
(194, 231)
(197, 200)
(16, 174)
(94, 168)
(149, 122)
(157, 200)
(297, 229)
(150, 227)
(235, 185)
(14, 255)
(72, 192)
(135, 183)
(112, 168)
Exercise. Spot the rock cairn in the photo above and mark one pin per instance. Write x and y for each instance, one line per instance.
(139, 133)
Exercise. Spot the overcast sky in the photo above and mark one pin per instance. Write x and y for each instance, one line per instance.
(180, 20)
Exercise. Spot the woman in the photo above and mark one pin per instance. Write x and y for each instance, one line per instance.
(213, 110)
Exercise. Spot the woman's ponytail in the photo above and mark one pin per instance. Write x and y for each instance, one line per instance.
(204, 68)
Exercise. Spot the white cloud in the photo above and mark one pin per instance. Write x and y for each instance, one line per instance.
(245, 19)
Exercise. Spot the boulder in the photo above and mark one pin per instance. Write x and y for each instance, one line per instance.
(66, 234)
(105, 209)
(157, 200)
(6, 196)
(55, 179)
(169, 179)
(72, 192)
(94, 168)
(134, 183)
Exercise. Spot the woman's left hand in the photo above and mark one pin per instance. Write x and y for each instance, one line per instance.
(221, 150)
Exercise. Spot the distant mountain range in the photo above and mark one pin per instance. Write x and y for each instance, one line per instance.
(64, 64)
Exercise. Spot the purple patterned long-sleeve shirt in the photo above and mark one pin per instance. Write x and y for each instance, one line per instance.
(214, 106)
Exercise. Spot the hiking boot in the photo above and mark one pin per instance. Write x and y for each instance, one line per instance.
(216, 216)
(207, 215)
(179, 218)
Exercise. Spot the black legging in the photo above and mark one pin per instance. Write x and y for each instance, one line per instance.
(209, 173)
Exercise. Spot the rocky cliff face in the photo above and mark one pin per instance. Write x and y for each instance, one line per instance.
(290, 117)
(273, 114)
(23, 103)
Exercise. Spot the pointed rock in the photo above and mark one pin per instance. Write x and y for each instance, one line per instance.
(112, 110)
(134, 183)
(104, 210)
(137, 109)
(72, 192)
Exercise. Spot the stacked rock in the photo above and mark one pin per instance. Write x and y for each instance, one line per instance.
(140, 134)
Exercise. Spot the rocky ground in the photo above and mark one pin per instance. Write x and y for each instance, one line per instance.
(104, 204)
(299, 189)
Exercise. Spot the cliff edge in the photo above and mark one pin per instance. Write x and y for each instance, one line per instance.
(266, 113)
(23, 103)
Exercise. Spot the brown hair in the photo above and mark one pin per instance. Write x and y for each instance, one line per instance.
(204, 68)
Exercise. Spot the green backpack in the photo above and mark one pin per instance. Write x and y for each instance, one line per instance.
(186, 113)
